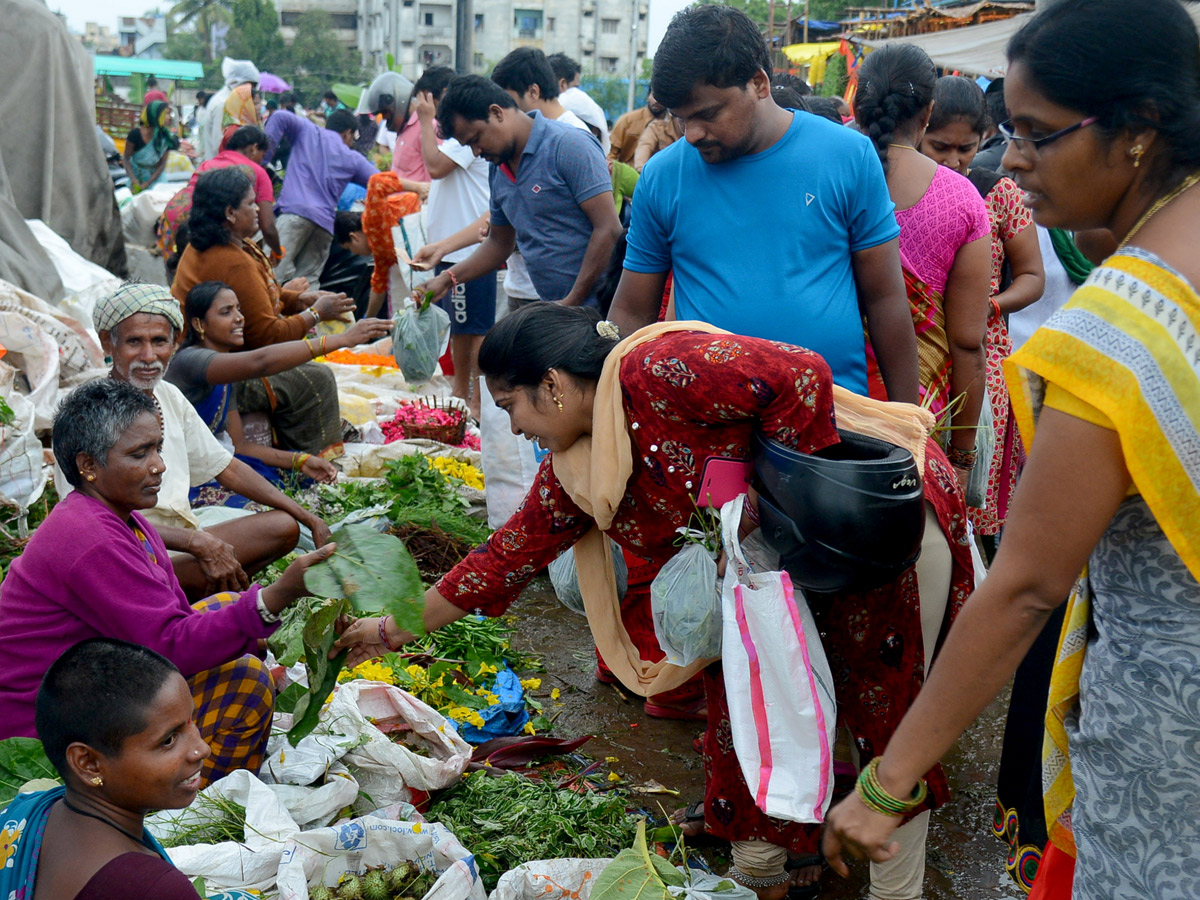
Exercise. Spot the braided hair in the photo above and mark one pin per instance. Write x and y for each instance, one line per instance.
(895, 85)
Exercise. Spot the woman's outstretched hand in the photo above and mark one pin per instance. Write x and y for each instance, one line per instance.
(361, 638)
(852, 828)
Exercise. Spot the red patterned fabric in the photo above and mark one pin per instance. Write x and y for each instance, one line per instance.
(874, 644)
(688, 397)
(1008, 217)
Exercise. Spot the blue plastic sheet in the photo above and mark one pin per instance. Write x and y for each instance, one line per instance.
(509, 716)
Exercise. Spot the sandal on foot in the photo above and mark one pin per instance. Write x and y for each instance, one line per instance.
(807, 891)
(696, 711)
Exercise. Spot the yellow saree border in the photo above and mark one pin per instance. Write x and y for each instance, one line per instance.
(1127, 343)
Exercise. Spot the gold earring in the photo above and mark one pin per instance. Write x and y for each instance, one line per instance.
(91, 478)
(558, 403)
(97, 781)
(1137, 151)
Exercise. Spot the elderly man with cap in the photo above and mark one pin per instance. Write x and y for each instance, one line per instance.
(138, 327)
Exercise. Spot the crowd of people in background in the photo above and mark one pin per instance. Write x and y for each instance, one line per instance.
(1012, 259)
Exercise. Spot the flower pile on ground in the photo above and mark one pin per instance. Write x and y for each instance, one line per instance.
(359, 358)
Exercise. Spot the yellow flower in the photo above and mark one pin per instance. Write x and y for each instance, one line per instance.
(486, 669)
(465, 714)
(8, 840)
(491, 698)
(463, 471)
(612, 759)
(420, 678)
(613, 776)
(531, 684)
(416, 828)
(555, 694)
(529, 728)
(373, 671)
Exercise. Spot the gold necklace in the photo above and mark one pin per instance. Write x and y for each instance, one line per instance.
(1188, 182)
(905, 147)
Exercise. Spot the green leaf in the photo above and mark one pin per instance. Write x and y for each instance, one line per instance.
(376, 573)
(287, 699)
(287, 643)
(22, 760)
(637, 874)
(308, 709)
(200, 887)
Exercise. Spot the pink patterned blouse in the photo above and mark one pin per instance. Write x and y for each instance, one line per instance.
(949, 215)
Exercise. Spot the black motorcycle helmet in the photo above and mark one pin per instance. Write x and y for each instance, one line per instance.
(848, 517)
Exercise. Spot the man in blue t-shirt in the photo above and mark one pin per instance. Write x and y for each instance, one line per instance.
(551, 191)
(776, 223)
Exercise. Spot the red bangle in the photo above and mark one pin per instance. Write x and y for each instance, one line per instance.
(751, 510)
(383, 635)
(995, 307)
(453, 279)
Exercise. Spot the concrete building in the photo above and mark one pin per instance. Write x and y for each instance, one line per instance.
(142, 37)
(99, 38)
(600, 34)
(418, 33)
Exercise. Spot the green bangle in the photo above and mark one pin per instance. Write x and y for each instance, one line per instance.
(874, 797)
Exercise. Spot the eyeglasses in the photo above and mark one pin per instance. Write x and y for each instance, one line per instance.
(1031, 146)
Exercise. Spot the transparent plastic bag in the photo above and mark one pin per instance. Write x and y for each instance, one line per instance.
(565, 578)
(420, 335)
(685, 601)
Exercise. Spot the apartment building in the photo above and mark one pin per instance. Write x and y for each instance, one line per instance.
(600, 34)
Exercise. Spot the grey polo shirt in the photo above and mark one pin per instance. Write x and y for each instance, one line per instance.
(561, 168)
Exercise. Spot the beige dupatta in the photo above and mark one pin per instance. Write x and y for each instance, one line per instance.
(595, 472)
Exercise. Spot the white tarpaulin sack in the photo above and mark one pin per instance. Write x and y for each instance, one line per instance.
(780, 688)
(325, 855)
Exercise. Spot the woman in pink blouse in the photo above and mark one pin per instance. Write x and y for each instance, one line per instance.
(944, 241)
(630, 427)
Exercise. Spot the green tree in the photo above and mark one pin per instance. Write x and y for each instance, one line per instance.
(254, 35)
(201, 15)
(835, 77)
(317, 59)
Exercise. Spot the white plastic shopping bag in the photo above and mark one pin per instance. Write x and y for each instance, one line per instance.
(779, 686)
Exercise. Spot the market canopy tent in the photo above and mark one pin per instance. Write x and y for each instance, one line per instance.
(171, 69)
(972, 50)
(814, 55)
(977, 49)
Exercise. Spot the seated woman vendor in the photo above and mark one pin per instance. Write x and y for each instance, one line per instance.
(117, 723)
(96, 568)
(206, 367)
(301, 401)
(630, 426)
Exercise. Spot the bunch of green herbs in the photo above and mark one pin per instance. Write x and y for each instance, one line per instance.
(211, 819)
(509, 820)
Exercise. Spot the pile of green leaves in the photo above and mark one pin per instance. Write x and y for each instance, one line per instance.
(12, 544)
(211, 819)
(6, 413)
(476, 640)
(22, 760)
(509, 820)
(413, 492)
(423, 496)
(369, 574)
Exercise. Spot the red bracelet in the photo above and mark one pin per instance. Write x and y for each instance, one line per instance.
(453, 279)
(383, 635)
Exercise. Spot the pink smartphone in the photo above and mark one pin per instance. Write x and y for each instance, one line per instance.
(723, 479)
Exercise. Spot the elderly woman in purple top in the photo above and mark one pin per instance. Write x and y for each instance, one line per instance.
(96, 568)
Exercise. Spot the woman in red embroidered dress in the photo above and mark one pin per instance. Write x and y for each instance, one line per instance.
(684, 396)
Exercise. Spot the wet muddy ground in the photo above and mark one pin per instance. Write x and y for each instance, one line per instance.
(964, 861)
